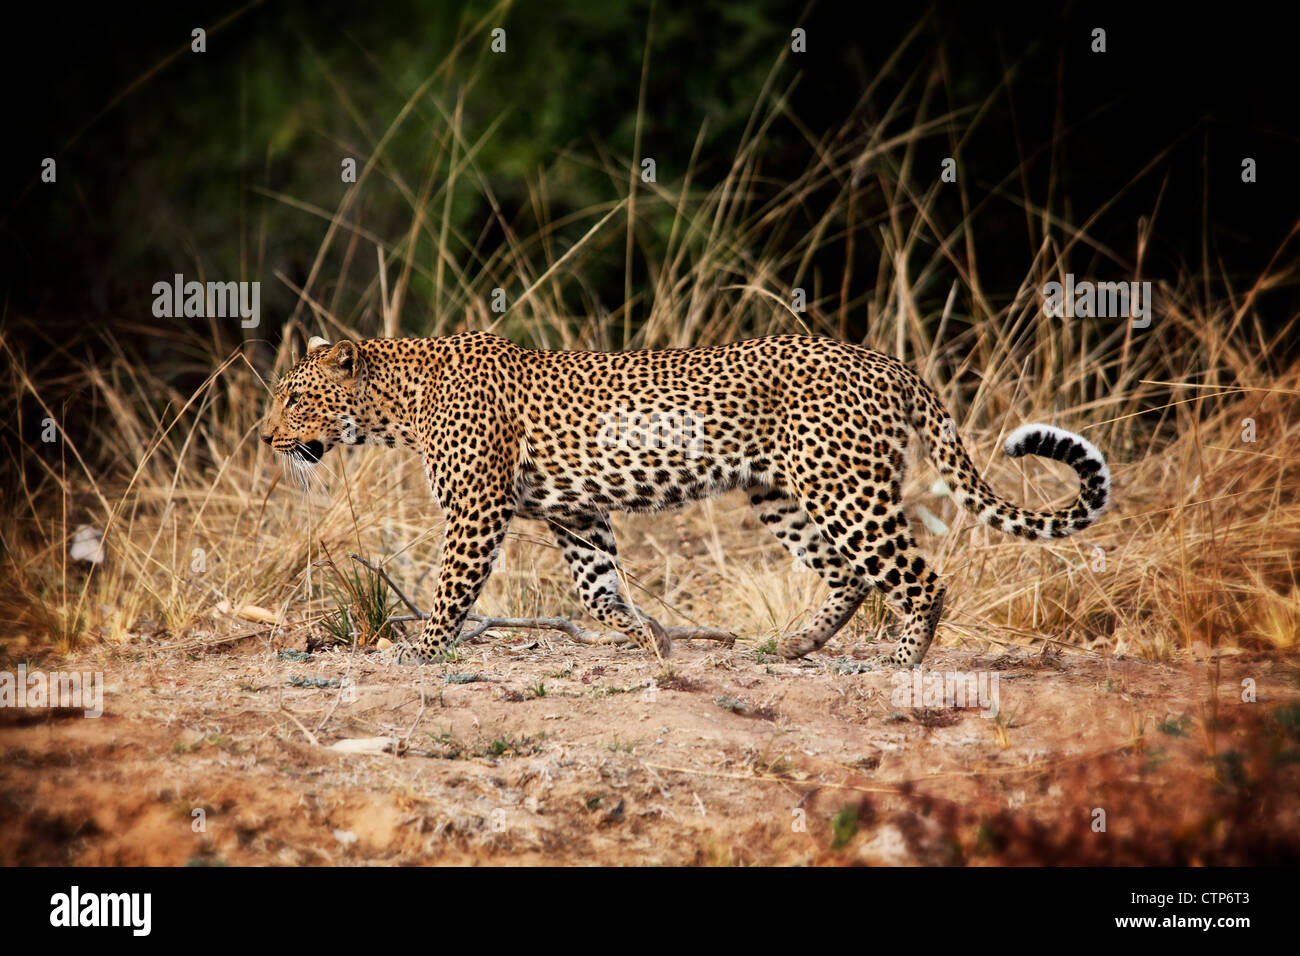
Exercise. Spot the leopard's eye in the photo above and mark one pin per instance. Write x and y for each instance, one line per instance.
(291, 400)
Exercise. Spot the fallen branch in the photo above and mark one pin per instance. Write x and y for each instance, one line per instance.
(564, 625)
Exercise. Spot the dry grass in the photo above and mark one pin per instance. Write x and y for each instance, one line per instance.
(1200, 547)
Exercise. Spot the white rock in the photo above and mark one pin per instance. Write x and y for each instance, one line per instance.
(365, 745)
(87, 545)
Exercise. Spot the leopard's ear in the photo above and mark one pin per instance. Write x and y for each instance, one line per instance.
(316, 342)
(345, 364)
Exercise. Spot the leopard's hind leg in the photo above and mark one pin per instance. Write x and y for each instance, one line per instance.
(881, 550)
(786, 518)
(855, 501)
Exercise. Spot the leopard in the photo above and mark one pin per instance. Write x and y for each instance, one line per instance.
(814, 430)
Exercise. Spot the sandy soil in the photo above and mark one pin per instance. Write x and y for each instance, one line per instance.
(532, 751)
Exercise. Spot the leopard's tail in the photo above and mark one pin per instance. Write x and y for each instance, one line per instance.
(945, 449)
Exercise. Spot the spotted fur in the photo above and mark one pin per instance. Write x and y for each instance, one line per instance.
(812, 429)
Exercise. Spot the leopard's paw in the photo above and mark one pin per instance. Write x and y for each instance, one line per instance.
(415, 655)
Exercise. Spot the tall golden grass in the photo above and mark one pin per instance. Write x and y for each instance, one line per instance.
(1199, 549)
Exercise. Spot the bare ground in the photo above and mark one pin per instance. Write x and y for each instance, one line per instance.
(530, 751)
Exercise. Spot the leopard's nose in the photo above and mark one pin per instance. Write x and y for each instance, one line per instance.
(267, 439)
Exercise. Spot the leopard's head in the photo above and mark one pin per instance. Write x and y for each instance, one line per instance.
(319, 404)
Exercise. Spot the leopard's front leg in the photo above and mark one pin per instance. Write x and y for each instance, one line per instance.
(472, 544)
(471, 456)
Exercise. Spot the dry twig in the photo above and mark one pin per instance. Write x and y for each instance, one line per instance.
(564, 625)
